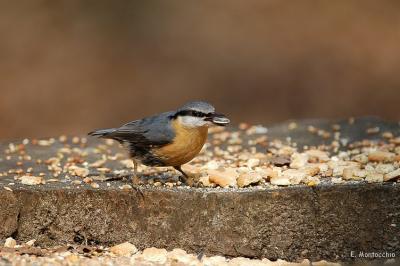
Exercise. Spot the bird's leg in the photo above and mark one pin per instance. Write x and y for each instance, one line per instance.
(135, 178)
(184, 177)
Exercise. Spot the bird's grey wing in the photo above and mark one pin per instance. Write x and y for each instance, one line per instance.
(150, 131)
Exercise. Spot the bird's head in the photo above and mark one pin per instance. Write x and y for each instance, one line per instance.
(199, 114)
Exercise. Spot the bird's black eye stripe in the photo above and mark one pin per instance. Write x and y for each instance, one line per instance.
(198, 114)
(191, 113)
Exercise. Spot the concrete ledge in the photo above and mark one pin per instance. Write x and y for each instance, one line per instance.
(327, 222)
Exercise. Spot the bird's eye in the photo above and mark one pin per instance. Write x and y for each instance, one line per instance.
(197, 114)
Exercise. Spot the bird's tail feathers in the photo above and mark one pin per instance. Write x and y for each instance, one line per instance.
(103, 133)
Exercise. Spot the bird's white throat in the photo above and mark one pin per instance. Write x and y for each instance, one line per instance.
(192, 121)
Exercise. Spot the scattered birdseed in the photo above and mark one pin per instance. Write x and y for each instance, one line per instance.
(125, 187)
(76, 182)
(244, 158)
(373, 130)
(94, 185)
(292, 126)
(32, 180)
(10, 243)
(123, 254)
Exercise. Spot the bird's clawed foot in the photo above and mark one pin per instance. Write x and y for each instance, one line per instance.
(184, 178)
(135, 179)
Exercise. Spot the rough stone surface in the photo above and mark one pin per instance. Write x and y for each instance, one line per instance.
(326, 221)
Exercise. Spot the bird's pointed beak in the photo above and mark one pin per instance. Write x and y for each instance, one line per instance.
(219, 119)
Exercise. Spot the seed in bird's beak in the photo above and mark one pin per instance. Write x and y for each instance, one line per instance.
(220, 120)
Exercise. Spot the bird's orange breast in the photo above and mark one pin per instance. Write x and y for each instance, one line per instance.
(185, 146)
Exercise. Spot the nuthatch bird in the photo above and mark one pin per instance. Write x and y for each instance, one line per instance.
(167, 139)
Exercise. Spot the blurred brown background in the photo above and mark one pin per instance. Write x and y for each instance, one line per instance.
(72, 66)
